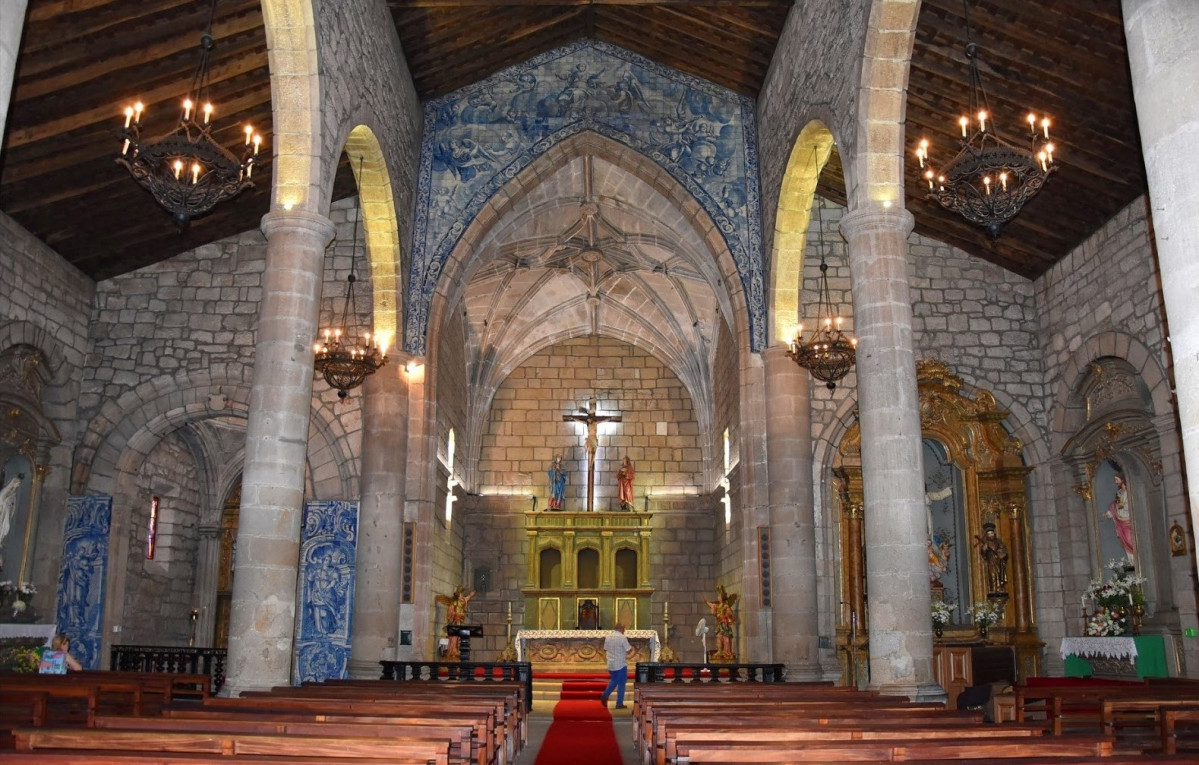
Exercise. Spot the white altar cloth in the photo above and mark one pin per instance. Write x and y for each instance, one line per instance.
(1105, 647)
(21, 630)
(635, 637)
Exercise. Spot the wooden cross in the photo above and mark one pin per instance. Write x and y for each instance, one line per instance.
(592, 420)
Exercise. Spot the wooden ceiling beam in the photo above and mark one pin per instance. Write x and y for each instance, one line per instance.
(404, 4)
(68, 72)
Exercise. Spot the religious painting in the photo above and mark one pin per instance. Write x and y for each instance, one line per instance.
(1113, 489)
(588, 614)
(626, 612)
(81, 581)
(328, 553)
(548, 614)
(1178, 540)
(948, 564)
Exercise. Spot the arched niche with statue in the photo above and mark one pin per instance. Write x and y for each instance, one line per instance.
(975, 507)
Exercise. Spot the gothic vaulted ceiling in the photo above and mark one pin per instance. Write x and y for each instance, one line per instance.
(81, 62)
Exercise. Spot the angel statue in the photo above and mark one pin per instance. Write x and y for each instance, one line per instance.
(455, 613)
(726, 618)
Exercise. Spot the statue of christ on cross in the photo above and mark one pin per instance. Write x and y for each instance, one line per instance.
(592, 420)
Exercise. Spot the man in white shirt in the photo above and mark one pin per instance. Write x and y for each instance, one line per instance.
(619, 652)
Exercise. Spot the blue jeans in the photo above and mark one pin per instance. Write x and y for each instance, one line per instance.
(617, 679)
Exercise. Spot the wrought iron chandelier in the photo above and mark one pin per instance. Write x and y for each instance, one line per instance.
(186, 171)
(828, 353)
(344, 360)
(988, 181)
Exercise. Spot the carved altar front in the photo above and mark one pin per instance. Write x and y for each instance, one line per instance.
(579, 649)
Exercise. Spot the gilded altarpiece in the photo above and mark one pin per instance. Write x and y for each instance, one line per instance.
(991, 478)
(586, 571)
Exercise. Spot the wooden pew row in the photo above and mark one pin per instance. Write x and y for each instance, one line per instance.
(1180, 731)
(1079, 748)
(1079, 709)
(83, 757)
(501, 745)
(512, 693)
(464, 746)
(680, 738)
(776, 714)
(1136, 724)
(431, 751)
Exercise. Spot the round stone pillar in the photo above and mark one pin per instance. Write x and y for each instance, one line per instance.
(262, 619)
(380, 520)
(12, 23)
(901, 641)
(792, 516)
(1163, 57)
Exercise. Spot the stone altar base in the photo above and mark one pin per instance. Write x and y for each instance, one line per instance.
(579, 650)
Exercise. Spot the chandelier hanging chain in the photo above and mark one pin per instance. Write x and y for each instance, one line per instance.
(343, 359)
(187, 171)
(829, 353)
(990, 179)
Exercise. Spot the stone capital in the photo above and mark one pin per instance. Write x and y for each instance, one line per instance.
(866, 221)
(298, 222)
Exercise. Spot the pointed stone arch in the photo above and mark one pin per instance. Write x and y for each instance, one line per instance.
(808, 156)
(295, 104)
(381, 231)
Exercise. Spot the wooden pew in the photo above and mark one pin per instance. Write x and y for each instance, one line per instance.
(85, 757)
(500, 744)
(464, 746)
(1080, 708)
(431, 751)
(893, 750)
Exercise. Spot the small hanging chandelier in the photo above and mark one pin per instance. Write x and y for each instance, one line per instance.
(828, 353)
(340, 357)
(988, 181)
(186, 171)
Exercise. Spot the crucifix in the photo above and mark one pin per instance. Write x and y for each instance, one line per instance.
(592, 420)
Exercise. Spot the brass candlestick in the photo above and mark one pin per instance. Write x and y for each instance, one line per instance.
(509, 652)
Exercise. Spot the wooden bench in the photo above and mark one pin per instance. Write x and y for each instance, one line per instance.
(464, 746)
(431, 751)
(898, 749)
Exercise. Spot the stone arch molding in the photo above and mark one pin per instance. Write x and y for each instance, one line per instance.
(874, 174)
(1118, 345)
(381, 230)
(478, 139)
(295, 103)
(128, 429)
(798, 192)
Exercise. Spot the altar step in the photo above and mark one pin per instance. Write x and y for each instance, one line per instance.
(550, 688)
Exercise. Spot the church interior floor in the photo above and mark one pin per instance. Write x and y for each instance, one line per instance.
(539, 724)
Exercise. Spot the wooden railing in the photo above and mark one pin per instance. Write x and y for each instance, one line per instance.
(461, 671)
(658, 672)
(171, 659)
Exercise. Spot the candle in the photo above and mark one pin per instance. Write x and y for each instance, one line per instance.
(1084, 603)
(509, 609)
(666, 612)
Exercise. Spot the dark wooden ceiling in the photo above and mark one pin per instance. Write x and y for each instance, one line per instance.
(82, 61)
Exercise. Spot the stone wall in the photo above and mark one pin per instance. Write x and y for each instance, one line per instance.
(159, 593)
(46, 302)
(659, 432)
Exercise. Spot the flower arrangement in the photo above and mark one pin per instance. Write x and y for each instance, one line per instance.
(15, 599)
(984, 613)
(942, 612)
(1115, 600)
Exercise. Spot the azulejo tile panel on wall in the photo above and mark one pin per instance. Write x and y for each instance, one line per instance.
(80, 610)
(328, 550)
(482, 136)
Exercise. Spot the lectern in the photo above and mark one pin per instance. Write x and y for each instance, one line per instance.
(464, 632)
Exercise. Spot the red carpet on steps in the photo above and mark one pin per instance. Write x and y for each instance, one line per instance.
(581, 734)
(582, 690)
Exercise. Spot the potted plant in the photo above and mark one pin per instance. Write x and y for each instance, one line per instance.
(1117, 601)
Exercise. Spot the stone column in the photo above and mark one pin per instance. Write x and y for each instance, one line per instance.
(262, 619)
(901, 640)
(1163, 57)
(380, 520)
(792, 516)
(208, 563)
(12, 23)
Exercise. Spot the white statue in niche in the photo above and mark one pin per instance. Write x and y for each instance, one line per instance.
(8, 508)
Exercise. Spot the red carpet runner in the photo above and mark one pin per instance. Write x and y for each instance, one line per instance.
(581, 733)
